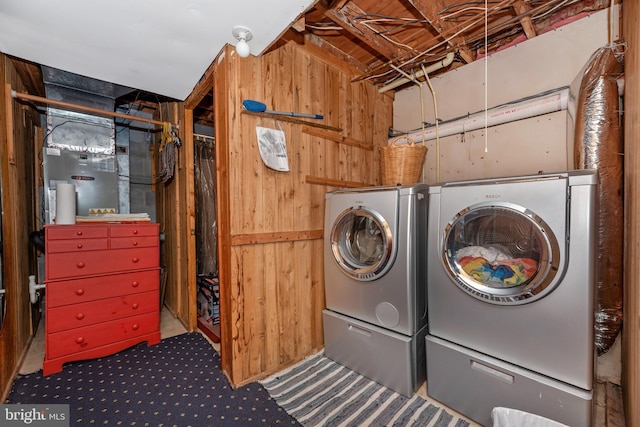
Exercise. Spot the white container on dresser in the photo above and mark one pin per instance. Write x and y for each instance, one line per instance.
(102, 290)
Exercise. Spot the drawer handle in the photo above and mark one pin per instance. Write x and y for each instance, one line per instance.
(135, 259)
(135, 284)
(80, 264)
(488, 370)
(79, 233)
(79, 316)
(135, 243)
(135, 306)
(79, 291)
(360, 331)
(135, 231)
(79, 340)
(79, 246)
(135, 327)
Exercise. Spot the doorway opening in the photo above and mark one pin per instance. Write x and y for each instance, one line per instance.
(206, 227)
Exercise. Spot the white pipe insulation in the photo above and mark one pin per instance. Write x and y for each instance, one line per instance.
(544, 104)
(444, 62)
(33, 287)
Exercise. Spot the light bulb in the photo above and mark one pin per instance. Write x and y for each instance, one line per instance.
(243, 35)
(242, 48)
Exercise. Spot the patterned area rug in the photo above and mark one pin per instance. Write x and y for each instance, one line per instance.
(320, 392)
(175, 383)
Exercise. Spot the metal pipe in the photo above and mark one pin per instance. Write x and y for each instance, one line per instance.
(76, 107)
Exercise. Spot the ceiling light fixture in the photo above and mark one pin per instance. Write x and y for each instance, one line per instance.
(243, 34)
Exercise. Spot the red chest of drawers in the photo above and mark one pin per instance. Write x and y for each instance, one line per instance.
(102, 290)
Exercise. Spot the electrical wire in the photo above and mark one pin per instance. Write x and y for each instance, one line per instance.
(322, 28)
(540, 10)
(404, 22)
(486, 79)
(143, 180)
(447, 40)
(435, 115)
(554, 8)
(467, 3)
(50, 131)
(387, 38)
(368, 19)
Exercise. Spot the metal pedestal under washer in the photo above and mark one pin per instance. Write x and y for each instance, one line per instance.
(511, 295)
(375, 282)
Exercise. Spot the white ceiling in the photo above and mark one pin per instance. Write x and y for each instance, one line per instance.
(159, 46)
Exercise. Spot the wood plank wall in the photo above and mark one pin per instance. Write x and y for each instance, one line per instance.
(19, 128)
(271, 222)
(175, 211)
(631, 326)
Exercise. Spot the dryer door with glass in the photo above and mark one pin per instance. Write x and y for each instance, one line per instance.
(501, 253)
(362, 243)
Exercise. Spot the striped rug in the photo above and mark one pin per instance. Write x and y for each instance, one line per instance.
(320, 392)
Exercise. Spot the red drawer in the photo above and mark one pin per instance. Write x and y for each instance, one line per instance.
(63, 265)
(134, 242)
(76, 245)
(89, 337)
(62, 293)
(56, 232)
(132, 230)
(104, 310)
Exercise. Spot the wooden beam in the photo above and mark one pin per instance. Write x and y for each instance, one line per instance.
(291, 120)
(447, 34)
(334, 136)
(9, 124)
(290, 36)
(335, 182)
(190, 217)
(204, 86)
(523, 11)
(281, 236)
(429, 10)
(299, 25)
(631, 299)
(334, 56)
(346, 17)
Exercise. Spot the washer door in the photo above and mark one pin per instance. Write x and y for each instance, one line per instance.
(362, 244)
(501, 254)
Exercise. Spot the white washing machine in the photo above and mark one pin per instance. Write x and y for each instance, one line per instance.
(511, 290)
(375, 282)
(511, 285)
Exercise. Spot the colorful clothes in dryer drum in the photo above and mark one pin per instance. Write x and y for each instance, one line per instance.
(501, 271)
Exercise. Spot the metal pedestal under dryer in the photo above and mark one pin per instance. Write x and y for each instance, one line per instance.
(375, 283)
(511, 295)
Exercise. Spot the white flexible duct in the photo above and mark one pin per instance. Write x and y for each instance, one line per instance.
(544, 104)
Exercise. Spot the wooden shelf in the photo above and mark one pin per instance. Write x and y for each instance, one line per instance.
(211, 331)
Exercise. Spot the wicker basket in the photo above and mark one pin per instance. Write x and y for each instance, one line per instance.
(402, 163)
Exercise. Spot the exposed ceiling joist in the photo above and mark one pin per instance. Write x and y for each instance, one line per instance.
(523, 11)
(387, 40)
(348, 15)
(429, 10)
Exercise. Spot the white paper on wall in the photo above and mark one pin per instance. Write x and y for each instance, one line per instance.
(273, 148)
